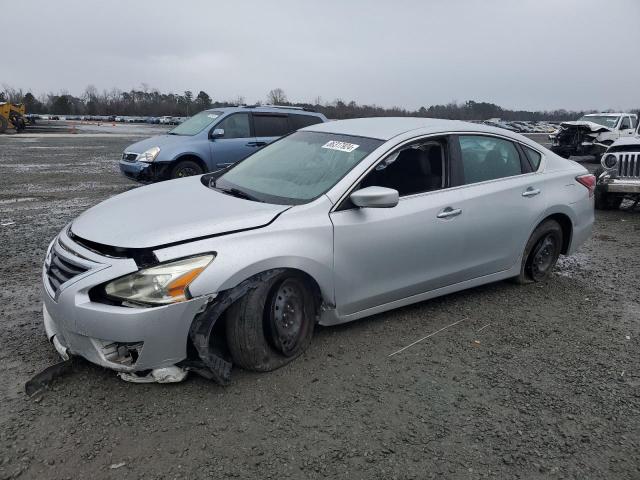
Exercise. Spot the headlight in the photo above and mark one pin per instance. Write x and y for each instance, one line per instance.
(159, 285)
(610, 161)
(150, 155)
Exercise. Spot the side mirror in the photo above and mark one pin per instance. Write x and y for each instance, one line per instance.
(375, 197)
(217, 133)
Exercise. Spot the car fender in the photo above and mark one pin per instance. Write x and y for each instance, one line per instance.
(301, 238)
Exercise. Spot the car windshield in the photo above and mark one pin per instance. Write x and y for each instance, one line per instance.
(195, 124)
(297, 168)
(604, 120)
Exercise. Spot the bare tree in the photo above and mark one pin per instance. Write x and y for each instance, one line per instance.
(276, 97)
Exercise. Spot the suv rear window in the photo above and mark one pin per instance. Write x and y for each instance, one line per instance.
(270, 125)
(301, 121)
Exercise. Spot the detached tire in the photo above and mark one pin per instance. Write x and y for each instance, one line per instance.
(272, 324)
(541, 253)
(186, 168)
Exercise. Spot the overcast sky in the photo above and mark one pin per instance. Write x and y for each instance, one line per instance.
(531, 54)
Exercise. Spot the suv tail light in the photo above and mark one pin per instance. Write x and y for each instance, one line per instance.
(588, 181)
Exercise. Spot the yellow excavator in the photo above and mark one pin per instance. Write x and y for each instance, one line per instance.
(12, 115)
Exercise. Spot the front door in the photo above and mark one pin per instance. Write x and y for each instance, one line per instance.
(626, 127)
(386, 254)
(236, 144)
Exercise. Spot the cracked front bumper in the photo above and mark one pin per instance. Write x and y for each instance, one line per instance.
(121, 338)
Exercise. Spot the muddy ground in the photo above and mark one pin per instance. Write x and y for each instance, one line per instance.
(540, 381)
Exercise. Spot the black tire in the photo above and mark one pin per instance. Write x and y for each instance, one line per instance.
(260, 340)
(3, 124)
(602, 199)
(186, 168)
(541, 253)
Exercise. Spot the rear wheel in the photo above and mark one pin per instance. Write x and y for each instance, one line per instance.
(541, 253)
(272, 324)
(3, 124)
(186, 168)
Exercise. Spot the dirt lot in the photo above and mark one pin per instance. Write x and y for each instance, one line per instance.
(536, 382)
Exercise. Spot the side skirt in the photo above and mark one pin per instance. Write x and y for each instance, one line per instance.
(332, 317)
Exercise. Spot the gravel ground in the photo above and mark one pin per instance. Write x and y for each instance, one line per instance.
(540, 381)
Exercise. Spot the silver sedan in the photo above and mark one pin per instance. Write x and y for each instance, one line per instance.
(335, 222)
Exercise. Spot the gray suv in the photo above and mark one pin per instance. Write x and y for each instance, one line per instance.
(212, 140)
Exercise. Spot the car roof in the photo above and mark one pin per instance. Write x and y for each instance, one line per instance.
(607, 114)
(265, 109)
(385, 128)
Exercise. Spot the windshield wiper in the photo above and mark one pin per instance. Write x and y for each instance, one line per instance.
(236, 192)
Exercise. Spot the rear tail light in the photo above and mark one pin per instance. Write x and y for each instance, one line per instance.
(588, 181)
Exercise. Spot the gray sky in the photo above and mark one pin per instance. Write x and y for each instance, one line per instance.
(531, 54)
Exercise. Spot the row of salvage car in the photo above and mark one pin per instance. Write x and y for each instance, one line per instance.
(613, 139)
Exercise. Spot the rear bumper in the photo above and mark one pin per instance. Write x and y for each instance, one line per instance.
(583, 219)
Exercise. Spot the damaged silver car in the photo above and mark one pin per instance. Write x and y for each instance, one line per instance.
(333, 223)
(592, 134)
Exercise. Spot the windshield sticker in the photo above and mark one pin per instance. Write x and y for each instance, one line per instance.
(340, 146)
(213, 115)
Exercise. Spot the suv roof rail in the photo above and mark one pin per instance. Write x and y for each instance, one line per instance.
(284, 107)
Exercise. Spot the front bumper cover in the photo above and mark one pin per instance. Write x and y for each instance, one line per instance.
(621, 186)
(143, 172)
(125, 339)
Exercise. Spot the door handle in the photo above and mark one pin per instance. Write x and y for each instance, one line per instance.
(449, 212)
(531, 192)
(256, 144)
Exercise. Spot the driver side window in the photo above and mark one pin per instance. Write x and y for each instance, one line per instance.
(236, 126)
(415, 169)
(625, 124)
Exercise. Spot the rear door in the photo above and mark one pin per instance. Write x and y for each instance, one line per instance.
(270, 126)
(237, 142)
(501, 200)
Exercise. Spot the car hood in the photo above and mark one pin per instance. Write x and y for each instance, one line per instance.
(594, 127)
(170, 212)
(626, 141)
(157, 141)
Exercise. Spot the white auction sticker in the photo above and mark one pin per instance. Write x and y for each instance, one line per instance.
(213, 115)
(340, 146)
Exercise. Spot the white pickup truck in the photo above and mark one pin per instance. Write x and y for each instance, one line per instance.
(592, 134)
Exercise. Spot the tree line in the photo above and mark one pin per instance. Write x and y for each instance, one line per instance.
(151, 102)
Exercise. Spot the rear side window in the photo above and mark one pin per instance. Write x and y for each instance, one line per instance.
(301, 121)
(236, 126)
(270, 125)
(488, 158)
(533, 157)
